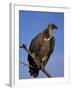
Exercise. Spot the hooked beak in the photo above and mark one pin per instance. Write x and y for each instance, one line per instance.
(54, 26)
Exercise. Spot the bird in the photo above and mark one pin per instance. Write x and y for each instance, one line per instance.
(42, 47)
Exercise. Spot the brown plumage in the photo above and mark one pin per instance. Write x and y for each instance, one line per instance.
(42, 47)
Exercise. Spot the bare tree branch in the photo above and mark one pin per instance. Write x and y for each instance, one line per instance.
(41, 67)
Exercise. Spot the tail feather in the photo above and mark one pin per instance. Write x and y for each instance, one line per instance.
(33, 71)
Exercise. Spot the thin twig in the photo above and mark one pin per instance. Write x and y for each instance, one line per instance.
(26, 64)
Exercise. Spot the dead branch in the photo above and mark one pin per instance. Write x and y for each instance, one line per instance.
(42, 68)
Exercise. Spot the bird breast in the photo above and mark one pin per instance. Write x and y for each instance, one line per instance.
(44, 49)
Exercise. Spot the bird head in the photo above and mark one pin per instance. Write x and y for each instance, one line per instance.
(52, 26)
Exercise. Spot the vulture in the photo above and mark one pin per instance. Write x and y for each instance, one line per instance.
(41, 47)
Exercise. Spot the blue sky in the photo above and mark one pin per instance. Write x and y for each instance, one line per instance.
(30, 24)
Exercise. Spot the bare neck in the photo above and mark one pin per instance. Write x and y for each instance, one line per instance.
(50, 32)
